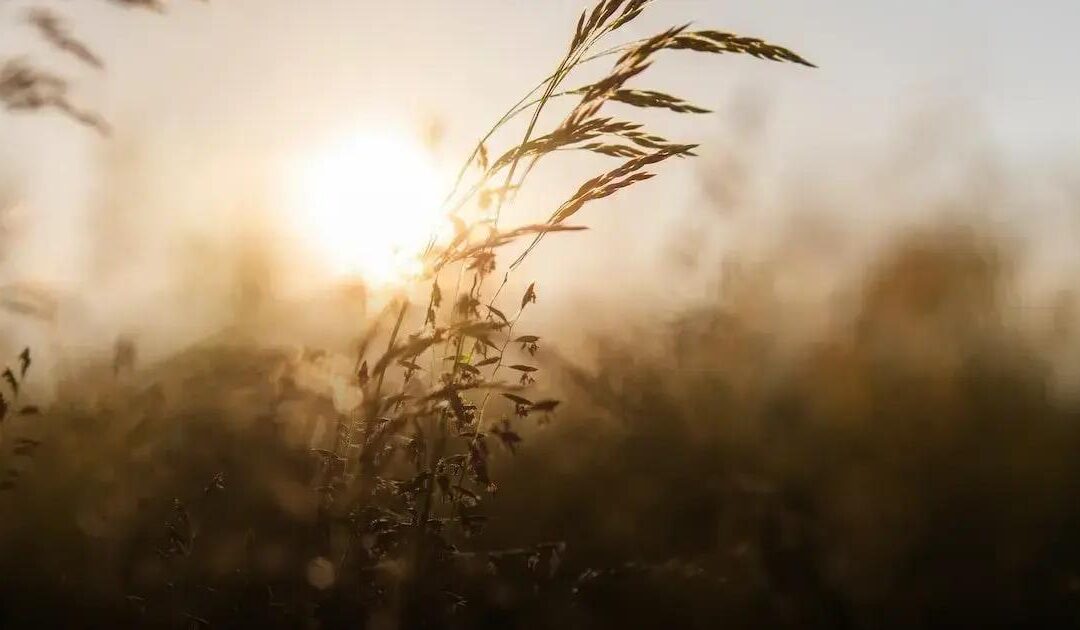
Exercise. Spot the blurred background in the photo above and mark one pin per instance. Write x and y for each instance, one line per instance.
(825, 374)
(215, 106)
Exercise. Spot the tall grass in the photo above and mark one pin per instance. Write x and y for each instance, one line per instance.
(412, 469)
(400, 494)
(906, 466)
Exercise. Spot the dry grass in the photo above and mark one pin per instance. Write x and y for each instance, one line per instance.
(399, 492)
(428, 446)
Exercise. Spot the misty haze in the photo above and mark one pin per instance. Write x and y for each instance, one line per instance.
(572, 314)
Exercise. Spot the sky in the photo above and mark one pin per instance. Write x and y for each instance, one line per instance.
(246, 65)
(213, 97)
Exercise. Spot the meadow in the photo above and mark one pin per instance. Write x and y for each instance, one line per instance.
(895, 449)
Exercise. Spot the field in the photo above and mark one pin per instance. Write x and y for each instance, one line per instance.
(353, 405)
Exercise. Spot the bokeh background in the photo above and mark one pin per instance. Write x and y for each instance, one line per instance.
(827, 374)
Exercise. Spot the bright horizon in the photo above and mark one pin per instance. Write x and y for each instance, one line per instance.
(213, 124)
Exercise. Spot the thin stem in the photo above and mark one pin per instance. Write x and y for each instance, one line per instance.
(520, 107)
(495, 369)
(555, 80)
(375, 403)
(390, 346)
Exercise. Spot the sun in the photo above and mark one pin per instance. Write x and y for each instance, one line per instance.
(368, 203)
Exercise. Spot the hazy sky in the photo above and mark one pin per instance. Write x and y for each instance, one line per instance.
(249, 64)
(211, 91)
(1014, 60)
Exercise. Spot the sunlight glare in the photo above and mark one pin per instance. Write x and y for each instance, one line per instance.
(368, 203)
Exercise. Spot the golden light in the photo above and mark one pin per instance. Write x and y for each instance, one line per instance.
(368, 204)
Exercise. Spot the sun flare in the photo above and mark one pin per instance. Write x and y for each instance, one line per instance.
(368, 203)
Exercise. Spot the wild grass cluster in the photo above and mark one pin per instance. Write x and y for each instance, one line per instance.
(399, 490)
(906, 468)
